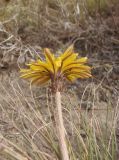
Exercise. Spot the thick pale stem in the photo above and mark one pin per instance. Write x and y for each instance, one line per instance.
(60, 128)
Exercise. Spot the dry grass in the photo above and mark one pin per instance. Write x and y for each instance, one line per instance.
(26, 119)
(28, 127)
(37, 22)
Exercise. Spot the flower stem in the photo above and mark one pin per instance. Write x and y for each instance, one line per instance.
(60, 128)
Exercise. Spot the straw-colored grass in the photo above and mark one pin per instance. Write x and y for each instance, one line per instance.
(26, 115)
(53, 23)
(30, 135)
(42, 16)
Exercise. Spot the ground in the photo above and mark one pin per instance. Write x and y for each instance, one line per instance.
(27, 112)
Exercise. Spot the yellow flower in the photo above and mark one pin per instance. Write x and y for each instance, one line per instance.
(57, 69)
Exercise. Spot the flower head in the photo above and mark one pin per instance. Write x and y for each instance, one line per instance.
(57, 69)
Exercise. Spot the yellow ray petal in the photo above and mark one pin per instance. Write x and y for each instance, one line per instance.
(74, 63)
(79, 69)
(67, 53)
(31, 74)
(69, 59)
(71, 78)
(40, 66)
(40, 81)
(81, 75)
(50, 60)
(75, 66)
(82, 60)
(77, 72)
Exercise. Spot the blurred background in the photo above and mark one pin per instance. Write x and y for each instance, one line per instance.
(26, 27)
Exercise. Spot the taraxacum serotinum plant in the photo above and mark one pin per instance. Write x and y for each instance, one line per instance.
(58, 70)
(66, 67)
